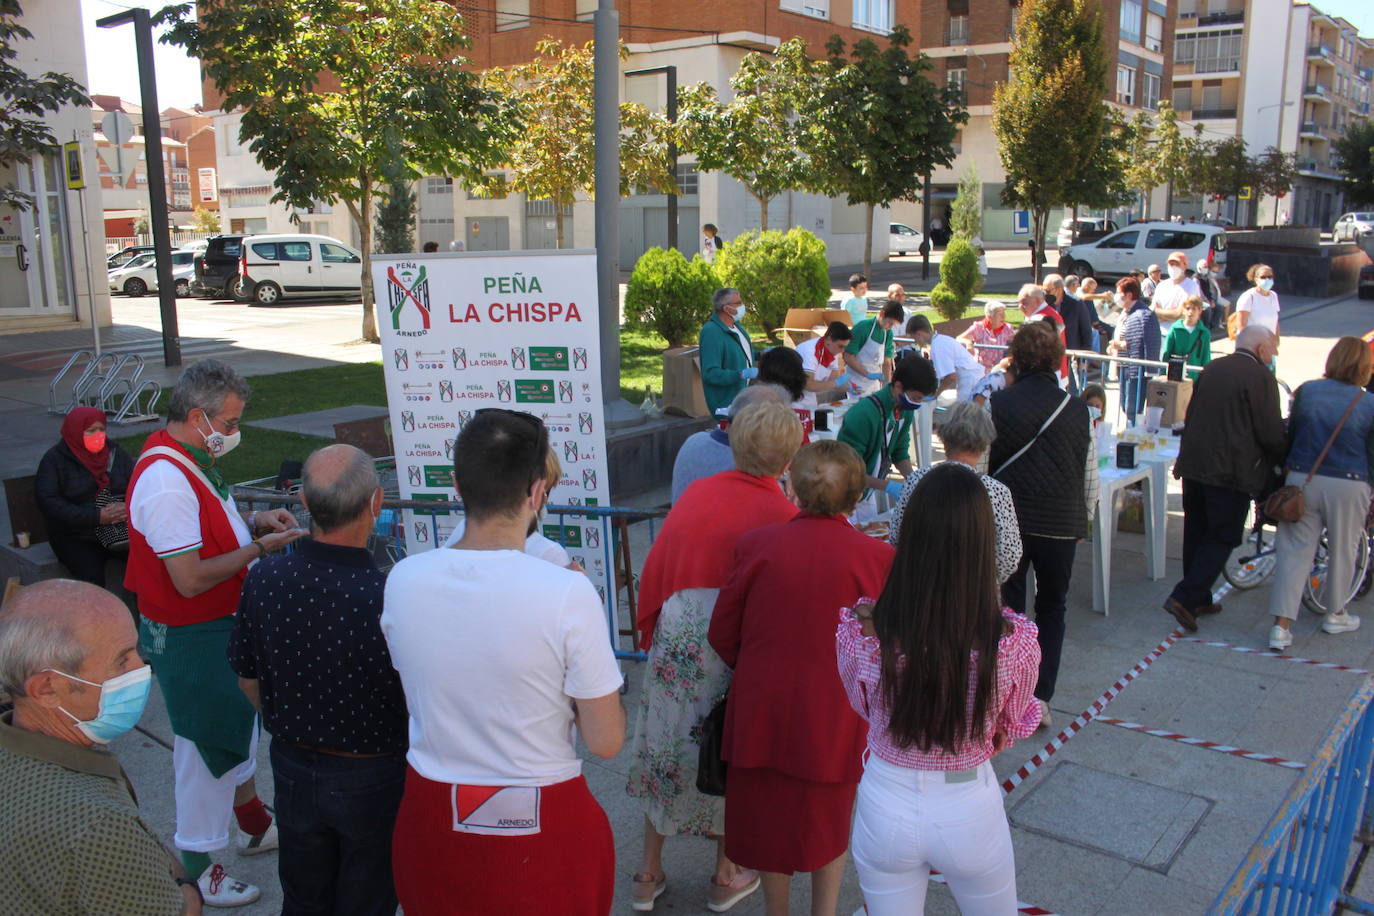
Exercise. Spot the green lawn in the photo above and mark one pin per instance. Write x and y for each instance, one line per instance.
(641, 364)
(260, 454)
(316, 389)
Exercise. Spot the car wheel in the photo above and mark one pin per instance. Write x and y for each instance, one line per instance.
(266, 293)
(135, 287)
(235, 290)
(1367, 292)
(1083, 269)
(182, 288)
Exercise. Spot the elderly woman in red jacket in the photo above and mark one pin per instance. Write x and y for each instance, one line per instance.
(793, 743)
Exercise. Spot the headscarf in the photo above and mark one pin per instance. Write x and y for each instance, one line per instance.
(73, 426)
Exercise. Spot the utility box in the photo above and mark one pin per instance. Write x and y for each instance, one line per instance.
(1171, 397)
(682, 392)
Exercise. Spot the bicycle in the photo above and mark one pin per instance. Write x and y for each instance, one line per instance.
(1255, 560)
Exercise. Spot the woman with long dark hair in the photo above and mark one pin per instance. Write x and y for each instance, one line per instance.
(944, 675)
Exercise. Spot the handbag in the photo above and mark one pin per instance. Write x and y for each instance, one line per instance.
(1287, 503)
(711, 768)
(115, 536)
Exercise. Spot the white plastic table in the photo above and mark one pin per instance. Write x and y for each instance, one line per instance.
(1112, 481)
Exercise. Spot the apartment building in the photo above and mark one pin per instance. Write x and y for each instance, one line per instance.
(970, 42)
(704, 43)
(1275, 73)
(197, 130)
(123, 172)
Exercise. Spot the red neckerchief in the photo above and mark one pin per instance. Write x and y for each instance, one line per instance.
(823, 355)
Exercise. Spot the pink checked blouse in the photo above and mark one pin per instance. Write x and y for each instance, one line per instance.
(982, 333)
(1015, 711)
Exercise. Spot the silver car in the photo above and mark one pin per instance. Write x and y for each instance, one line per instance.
(1353, 226)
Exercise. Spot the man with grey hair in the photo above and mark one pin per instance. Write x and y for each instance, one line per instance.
(1035, 307)
(1077, 318)
(307, 646)
(69, 824)
(724, 352)
(708, 452)
(189, 550)
(1233, 439)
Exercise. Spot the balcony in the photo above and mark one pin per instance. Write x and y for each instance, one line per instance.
(1317, 168)
(1213, 114)
(1311, 131)
(1317, 92)
(957, 37)
(1365, 73)
(1221, 17)
(1320, 52)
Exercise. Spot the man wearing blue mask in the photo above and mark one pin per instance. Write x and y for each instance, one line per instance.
(879, 426)
(69, 823)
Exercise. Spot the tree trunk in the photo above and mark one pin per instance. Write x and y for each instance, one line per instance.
(558, 224)
(362, 213)
(1169, 202)
(763, 212)
(1039, 217)
(868, 240)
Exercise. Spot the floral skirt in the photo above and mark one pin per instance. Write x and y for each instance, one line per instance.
(683, 680)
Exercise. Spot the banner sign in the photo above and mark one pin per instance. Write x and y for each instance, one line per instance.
(209, 185)
(519, 330)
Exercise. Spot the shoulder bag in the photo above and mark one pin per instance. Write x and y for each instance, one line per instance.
(1044, 426)
(1287, 503)
(115, 536)
(711, 768)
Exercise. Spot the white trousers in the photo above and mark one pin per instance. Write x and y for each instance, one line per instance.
(908, 821)
(1339, 506)
(205, 805)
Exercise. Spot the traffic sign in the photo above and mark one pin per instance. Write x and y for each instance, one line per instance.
(118, 129)
(1245, 193)
(71, 159)
(1020, 222)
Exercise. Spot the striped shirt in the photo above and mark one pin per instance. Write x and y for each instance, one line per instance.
(1140, 331)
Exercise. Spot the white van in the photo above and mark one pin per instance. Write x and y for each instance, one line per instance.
(1141, 244)
(274, 267)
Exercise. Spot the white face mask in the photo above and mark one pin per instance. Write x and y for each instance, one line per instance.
(1175, 272)
(1202, 270)
(1265, 283)
(739, 311)
(219, 444)
(1119, 299)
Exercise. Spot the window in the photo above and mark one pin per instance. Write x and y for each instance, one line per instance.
(688, 179)
(585, 9)
(182, 258)
(1209, 52)
(338, 254)
(958, 144)
(512, 14)
(1154, 32)
(873, 15)
(957, 34)
(1150, 92)
(293, 251)
(1183, 98)
(820, 9)
(1172, 239)
(956, 79)
(1125, 84)
(265, 250)
(1130, 20)
(438, 185)
(1124, 240)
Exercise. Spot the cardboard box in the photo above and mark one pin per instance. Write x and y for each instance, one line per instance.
(682, 392)
(797, 326)
(1172, 397)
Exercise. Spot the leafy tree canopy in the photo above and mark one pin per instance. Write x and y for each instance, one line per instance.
(1355, 158)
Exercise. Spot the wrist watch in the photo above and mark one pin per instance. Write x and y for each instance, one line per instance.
(257, 542)
(183, 881)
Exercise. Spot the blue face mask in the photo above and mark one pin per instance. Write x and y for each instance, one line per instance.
(122, 699)
(907, 404)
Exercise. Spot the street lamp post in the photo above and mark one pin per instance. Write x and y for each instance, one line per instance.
(670, 71)
(157, 176)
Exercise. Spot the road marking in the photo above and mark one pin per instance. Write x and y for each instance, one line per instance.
(1199, 742)
(1270, 653)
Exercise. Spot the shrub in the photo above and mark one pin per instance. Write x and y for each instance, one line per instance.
(959, 280)
(776, 271)
(966, 215)
(670, 295)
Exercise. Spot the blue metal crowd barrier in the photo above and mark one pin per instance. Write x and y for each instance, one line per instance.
(1298, 865)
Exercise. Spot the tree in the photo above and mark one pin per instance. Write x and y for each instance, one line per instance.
(1171, 154)
(1142, 169)
(142, 223)
(207, 221)
(552, 154)
(1104, 184)
(340, 96)
(1224, 170)
(756, 137)
(1354, 156)
(774, 272)
(1275, 171)
(877, 126)
(24, 100)
(670, 294)
(1059, 69)
(396, 219)
(959, 280)
(966, 215)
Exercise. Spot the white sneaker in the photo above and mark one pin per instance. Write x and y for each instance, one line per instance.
(1280, 638)
(220, 890)
(1340, 623)
(256, 844)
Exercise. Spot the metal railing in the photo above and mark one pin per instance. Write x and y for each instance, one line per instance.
(101, 383)
(1298, 864)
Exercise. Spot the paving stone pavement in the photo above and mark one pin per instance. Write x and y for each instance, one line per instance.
(1118, 821)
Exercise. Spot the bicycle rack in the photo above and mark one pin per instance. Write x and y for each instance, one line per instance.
(129, 410)
(102, 384)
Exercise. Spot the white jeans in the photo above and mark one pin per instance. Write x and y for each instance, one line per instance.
(908, 821)
(205, 805)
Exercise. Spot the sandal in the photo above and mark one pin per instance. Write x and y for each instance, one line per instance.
(645, 889)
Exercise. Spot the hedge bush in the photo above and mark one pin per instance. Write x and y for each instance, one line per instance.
(670, 295)
(775, 271)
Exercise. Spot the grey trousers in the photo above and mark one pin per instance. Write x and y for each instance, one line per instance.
(1339, 506)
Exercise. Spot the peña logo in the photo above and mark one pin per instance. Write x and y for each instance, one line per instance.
(411, 285)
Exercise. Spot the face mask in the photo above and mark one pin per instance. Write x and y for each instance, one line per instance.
(1094, 413)
(1202, 271)
(1266, 284)
(740, 310)
(1175, 272)
(907, 404)
(1051, 298)
(122, 700)
(219, 444)
(94, 442)
(1119, 299)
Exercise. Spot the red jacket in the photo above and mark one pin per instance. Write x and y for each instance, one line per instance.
(774, 623)
(146, 575)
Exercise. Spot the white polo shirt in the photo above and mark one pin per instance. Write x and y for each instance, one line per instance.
(492, 647)
(949, 355)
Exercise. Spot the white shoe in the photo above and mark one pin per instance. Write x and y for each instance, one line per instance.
(220, 890)
(1045, 719)
(1340, 623)
(1279, 637)
(256, 844)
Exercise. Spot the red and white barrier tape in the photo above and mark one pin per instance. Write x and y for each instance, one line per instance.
(1027, 908)
(1199, 742)
(1270, 653)
(1078, 724)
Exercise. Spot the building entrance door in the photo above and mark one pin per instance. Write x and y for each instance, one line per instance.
(35, 251)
